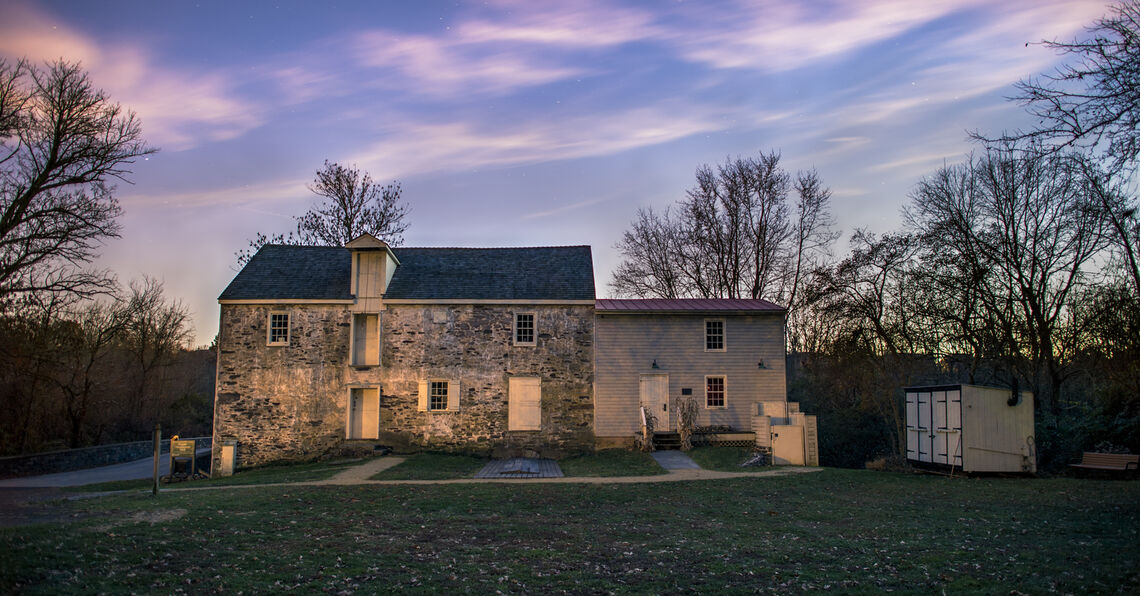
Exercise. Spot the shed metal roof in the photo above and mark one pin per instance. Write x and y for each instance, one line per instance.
(695, 305)
(280, 272)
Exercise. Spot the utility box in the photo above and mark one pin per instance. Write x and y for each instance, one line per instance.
(971, 428)
(791, 434)
(223, 464)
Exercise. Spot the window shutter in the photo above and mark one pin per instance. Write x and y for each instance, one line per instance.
(423, 403)
(453, 396)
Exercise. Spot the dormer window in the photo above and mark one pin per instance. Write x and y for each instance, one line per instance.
(373, 265)
(524, 329)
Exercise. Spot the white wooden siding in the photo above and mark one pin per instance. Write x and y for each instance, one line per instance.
(627, 345)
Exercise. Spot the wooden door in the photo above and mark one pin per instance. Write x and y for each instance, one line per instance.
(654, 397)
(364, 414)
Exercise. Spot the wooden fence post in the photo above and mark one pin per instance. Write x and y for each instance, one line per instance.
(157, 450)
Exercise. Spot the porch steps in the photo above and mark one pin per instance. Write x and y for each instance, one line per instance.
(667, 441)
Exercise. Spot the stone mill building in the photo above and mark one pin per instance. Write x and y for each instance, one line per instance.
(502, 351)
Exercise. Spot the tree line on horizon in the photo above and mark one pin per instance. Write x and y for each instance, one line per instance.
(1017, 268)
(84, 359)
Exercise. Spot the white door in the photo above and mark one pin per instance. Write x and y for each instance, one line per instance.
(787, 445)
(925, 445)
(939, 452)
(654, 390)
(364, 414)
(954, 427)
(911, 425)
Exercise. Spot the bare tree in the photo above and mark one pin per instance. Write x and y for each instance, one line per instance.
(1092, 102)
(651, 247)
(1026, 225)
(735, 235)
(61, 142)
(353, 204)
(155, 332)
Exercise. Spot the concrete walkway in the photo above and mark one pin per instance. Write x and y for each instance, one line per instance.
(359, 476)
(674, 460)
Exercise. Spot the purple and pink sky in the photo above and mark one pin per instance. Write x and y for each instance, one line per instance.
(522, 123)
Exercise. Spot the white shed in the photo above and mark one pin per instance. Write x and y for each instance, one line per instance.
(971, 428)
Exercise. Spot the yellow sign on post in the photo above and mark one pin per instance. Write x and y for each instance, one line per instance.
(182, 455)
(181, 448)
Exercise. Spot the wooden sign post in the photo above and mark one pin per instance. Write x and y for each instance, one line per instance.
(157, 449)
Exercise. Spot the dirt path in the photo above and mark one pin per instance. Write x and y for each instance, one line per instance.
(359, 475)
(24, 506)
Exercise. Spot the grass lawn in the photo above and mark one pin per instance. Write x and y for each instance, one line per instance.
(724, 459)
(434, 466)
(838, 530)
(293, 472)
(611, 462)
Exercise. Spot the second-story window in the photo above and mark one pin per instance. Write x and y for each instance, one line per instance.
(714, 335)
(524, 329)
(278, 329)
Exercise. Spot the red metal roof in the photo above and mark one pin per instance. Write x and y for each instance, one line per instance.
(686, 305)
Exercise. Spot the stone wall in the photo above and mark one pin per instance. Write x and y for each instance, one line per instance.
(289, 402)
(283, 402)
(472, 344)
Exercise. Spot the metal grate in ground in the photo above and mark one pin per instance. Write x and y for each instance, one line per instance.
(520, 467)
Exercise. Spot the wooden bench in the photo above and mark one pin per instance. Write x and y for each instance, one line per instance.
(1112, 462)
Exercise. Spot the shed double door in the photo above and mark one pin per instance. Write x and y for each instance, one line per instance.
(934, 426)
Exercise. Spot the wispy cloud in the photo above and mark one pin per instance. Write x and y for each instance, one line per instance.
(463, 145)
(579, 24)
(788, 34)
(179, 109)
(563, 209)
(451, 67)
(246, 196)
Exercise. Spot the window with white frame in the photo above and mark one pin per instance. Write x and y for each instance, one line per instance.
(524, 329)
(715, 392)
(437, 395)
(714, 335)
(278, 329)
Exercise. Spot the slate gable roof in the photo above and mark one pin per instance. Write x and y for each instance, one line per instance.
(683, 305)
(280, 272)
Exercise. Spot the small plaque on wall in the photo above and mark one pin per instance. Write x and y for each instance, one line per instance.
(686, 391)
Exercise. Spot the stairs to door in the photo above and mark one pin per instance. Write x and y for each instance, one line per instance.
(667, 441)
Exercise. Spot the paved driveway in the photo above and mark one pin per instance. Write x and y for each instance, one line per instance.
(132, 470)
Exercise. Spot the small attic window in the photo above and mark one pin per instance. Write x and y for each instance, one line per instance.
(278, 329)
